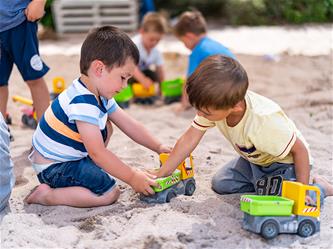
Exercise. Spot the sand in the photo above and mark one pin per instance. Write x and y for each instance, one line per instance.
(301, 85)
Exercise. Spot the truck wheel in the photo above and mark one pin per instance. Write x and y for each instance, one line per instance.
(25, 119)
(306, 228)
(170, 195)
(270, 229)
(190, 188)
(32, 123)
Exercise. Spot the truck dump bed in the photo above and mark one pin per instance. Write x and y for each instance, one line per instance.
(266, 205)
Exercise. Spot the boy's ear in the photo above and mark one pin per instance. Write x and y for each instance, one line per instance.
(238, 106)
(97, 67)
(190, 35)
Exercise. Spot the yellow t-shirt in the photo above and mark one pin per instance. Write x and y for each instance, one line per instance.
(264, 135)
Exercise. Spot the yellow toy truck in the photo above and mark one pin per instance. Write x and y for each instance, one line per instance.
(271, 215)
(181, 182)
(29, 117)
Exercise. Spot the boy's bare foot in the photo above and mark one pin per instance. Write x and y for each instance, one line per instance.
(325, 184)
(38, 195)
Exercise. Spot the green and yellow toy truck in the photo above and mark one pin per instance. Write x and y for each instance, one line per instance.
(171, 91)
(181, 182)
(29, 117)
(270, 215)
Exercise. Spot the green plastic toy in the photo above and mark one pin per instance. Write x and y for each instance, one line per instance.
(172, 90)
(266, 205)
(167, 182)
(123, 97)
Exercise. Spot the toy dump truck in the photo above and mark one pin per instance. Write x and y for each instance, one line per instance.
(124, 96)
(181, 182)
(271, 215)
(172, 90)
(29, 117)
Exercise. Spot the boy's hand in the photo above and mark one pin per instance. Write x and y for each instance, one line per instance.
(35, 10)
(147, 82)
(309, 201)
(163, 149)
(141, 182)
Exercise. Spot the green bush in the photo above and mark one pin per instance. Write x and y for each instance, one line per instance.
(47, 19)
(255, 12)
(300, 11)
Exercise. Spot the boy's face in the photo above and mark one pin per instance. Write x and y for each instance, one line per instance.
(213, 114)
(112, 81)
(189, 40)
(150, 39)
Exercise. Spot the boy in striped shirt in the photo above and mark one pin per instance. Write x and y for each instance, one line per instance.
(70, 156)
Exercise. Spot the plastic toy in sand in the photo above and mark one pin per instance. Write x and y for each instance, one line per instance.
(181, 182)
(271, 215)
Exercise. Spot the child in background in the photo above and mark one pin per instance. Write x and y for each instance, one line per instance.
(70, 153)
(152, 29)
(267, 141)
(191, 29)
(19, 45)
(7, 179)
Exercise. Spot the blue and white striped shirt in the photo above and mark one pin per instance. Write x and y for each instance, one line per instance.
(57, 137)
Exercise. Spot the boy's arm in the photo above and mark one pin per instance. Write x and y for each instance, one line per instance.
(35, 10)
(301, 161)
(143, 79)
(160, 73)
(136, 131)
(93, 142)
(183, 148)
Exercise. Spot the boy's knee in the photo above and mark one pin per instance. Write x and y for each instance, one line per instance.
(221, 186)
(36, 82)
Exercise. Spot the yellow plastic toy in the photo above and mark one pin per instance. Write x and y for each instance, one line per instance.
(141, 92)
(186, 167)
(58, 86)
(29, 117)
(289, 213)
(181, 182)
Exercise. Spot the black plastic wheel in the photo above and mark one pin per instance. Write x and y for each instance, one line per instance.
(189, 188)
(270, 229)
(8, 119)
(306, 228)
(170, 195)
(25, 119)
(124, 105)
(170, 100)
(32, 123)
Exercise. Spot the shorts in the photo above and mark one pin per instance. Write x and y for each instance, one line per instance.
(19, 45)
(82, 173)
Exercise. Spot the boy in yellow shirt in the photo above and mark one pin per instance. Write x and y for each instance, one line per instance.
(267, 141)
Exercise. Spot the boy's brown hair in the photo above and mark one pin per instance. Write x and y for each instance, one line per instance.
(190, 22)
(109, 45)
(219, 82)
(154, 22)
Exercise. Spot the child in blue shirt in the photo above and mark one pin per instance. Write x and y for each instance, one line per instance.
(191, 29)
(70, 155)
